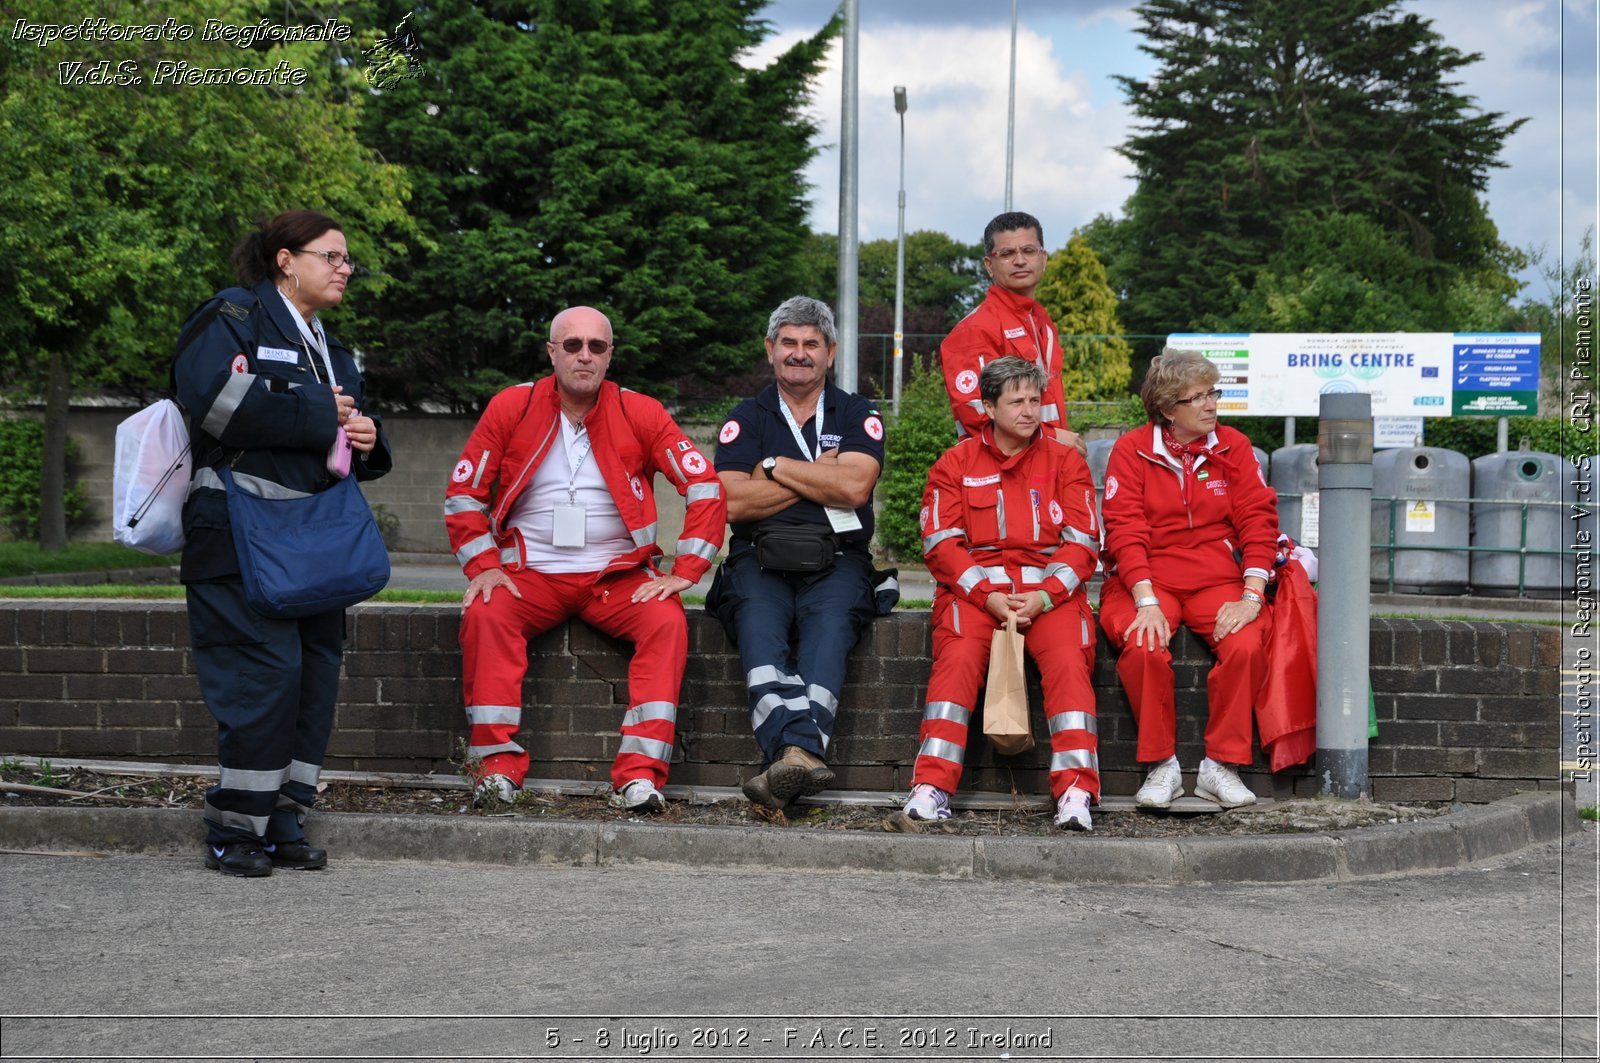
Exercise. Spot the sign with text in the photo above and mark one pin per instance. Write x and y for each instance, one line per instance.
(1408, 374)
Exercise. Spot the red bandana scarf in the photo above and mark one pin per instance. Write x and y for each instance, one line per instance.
(1186, 453)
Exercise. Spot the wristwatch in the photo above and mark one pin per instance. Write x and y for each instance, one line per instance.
(769, 466)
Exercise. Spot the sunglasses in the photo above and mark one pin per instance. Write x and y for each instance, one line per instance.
(572, 345)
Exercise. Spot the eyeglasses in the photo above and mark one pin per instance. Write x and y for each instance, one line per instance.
(1006, 254)
(333, 258)
(572, 345)
(1198, 400)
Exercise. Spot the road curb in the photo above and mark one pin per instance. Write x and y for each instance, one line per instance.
(1463, 837)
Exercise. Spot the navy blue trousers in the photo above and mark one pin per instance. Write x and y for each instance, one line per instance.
(271, 685)
(794, 633)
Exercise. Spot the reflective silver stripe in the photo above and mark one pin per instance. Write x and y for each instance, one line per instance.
(477, 714)
(977, 404)
(955, 616)
(648, 747)
(947, 710)
(697, 548)
(1073, 721)
(1000, 511)
(650, 710)
(483, 465)
(672, 457)
(227, 403)
(301, 772)
(933, 513)
(464, 504)
(701, 492)
(938, 747)
(259, 486)
(1034, 574)
(510, 555)
(826, 738)
(930, 541)
(971, 578)
(256, 825)
(206, 477)
(768, 702)
(1069, 534)
(768, 673)
(992, 548)
(1070, 580)
(997, 574)
(644, 536)
(823, 697)
(473, 547)
(1075, 758)
(485, 751)
(1051, 412)
(241, 779)
(300, 810)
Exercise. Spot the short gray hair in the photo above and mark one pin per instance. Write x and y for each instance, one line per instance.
(800, 311)
(1171, 373)
(1002, 374)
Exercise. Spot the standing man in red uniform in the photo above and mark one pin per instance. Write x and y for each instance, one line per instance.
(1008, 321)
(1008, 527)
(551, 515)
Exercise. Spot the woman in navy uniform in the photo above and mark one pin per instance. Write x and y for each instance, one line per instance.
(268, 390)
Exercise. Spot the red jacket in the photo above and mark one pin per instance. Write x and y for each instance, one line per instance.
(1151, 533)
(633, 438)
(1004, 323)
(997, 523)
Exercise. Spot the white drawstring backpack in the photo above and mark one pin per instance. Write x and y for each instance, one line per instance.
(150, 479)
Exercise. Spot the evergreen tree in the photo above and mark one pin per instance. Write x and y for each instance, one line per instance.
(604, 152)
(1094, 357)
(1266, 118)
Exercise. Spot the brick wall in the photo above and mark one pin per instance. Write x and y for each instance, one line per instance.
(1467, 711)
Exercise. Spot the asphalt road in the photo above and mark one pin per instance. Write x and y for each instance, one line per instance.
(146, 957)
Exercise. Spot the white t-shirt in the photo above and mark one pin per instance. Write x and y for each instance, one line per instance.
(605, 536)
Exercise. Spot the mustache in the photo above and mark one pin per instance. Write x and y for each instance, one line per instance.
(799, 360)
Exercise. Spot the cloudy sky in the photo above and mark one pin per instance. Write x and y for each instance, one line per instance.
(953, 58)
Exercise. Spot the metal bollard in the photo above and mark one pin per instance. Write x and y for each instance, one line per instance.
(1344, 603)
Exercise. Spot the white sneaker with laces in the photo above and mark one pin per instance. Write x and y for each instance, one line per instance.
(927, 802)
(494, 788)
(1162, 786)
(1072, 811)
(638, 795)
(1220, 783)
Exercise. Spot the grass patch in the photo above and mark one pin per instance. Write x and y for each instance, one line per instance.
(26, 559)
(1589, 812)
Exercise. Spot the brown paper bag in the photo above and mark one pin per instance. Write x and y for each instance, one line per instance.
(1005, 699)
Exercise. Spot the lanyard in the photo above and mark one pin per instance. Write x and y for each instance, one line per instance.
(799, 436)
(1046, 349)
(587, 444)
(312, 339)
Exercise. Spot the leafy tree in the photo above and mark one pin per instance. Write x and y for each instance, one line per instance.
(1095, 357)
(923, 430)
(1263, 119)
(122, 201)
(605, 152)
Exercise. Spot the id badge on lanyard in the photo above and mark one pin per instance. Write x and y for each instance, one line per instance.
(843, 520)
(571, 519)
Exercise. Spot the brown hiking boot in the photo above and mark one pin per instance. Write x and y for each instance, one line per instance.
(818, 776)
(777, 786)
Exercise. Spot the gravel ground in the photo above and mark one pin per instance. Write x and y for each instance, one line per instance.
(27, 785)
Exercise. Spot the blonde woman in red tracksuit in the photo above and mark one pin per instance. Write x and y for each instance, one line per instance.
(1190, 536)
(1008, 527)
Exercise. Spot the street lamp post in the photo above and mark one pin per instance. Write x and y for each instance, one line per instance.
(900, 252)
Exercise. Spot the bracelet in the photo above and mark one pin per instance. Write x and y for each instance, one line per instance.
(1048, 604)
(1140, 603)
(1250, 596)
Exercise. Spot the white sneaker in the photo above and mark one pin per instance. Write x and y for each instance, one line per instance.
(638, 795)
(494, 788)
(1162, 786)
(1072, 811)
(927, 802)
(1220, 783)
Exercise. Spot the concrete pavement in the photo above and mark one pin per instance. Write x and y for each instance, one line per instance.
(150, 956)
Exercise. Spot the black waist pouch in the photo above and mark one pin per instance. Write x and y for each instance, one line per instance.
(796, 549)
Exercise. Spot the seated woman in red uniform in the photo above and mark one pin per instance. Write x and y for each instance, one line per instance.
(1190, 537)
(1008, 527)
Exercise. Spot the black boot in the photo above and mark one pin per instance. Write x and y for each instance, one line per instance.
(297, 856)
(243, 859)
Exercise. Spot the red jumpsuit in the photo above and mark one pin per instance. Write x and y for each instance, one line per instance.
(633, 438)
(1195, 551)
(1004, 323)
(1010, 524)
